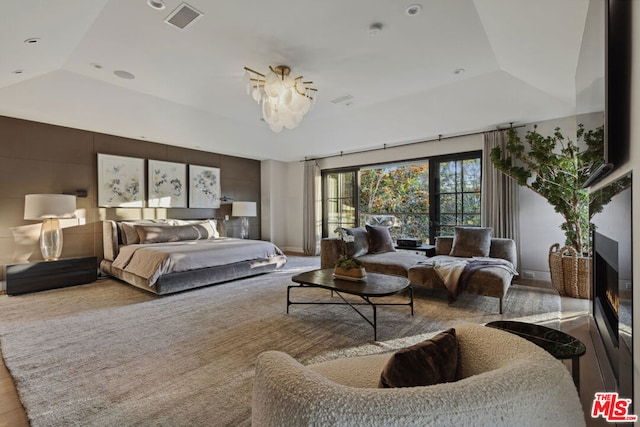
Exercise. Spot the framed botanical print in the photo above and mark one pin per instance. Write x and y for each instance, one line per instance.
(167, 184)
(204, 187)
(120, 181)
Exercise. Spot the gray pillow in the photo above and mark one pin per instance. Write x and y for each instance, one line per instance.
(177, 233)
(379, 239)
(430, 362)
(360, 245)
(471, 241)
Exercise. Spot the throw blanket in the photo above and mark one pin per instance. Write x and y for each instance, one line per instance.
(152, 260)
(455, 273)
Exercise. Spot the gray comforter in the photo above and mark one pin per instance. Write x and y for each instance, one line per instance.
(152, 260)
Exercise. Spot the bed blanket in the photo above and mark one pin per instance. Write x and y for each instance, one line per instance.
(455, 273)
(152, 260)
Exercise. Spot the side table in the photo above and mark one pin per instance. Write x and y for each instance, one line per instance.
(45, 275)
(428, 250)
(559, 344)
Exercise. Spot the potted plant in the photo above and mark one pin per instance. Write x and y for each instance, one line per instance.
(556, 168)
(347, 267)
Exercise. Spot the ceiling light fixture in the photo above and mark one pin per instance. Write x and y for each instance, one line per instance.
(374, 29)
(156, 4)
(414, 10)
(124, 74)
(32, 40)
(285, 100)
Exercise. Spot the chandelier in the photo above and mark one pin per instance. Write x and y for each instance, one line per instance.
(285, 100)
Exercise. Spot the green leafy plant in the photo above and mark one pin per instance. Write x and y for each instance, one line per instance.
(556, 168)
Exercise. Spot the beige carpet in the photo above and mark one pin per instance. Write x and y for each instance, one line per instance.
(109, 354)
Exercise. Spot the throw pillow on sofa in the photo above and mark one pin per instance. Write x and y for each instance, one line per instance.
(360, 244)
(379, 239)
(471, 241)
(430, 362)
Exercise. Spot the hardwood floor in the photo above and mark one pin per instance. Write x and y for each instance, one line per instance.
(11, 411)
(575, 321)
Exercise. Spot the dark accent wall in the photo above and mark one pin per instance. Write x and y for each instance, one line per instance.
(42, 158)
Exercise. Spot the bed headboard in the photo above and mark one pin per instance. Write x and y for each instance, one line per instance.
(114, 233)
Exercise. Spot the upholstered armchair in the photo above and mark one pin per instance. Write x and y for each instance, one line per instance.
(504, 381)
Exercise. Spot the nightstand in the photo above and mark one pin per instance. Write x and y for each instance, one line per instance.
(45, 275)
(428, 250)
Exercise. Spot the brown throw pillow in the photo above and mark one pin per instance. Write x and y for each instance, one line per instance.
(430, 362)
(471, 241)
(360, 245)
(379, 239)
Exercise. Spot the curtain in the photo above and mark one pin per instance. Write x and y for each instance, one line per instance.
(500, 194)
(311, 210)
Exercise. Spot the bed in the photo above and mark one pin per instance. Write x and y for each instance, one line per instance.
(167, 256)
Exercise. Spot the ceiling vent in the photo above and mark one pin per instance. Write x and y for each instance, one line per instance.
(183, 16)
(341, 99)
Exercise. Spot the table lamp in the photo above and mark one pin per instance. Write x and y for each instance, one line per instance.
(49, 207)
(244, 210)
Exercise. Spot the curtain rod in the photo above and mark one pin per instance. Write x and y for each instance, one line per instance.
(385, 146)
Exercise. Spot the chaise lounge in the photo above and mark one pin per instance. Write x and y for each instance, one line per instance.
(373, 247)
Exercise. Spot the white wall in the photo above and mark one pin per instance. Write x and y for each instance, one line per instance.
(273, 222)
(281, 204)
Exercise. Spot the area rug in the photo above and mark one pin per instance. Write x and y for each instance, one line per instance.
(110, 354)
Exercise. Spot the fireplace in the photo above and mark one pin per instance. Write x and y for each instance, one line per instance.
(612, 281)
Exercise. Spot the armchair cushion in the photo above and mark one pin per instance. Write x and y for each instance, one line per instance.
(430, 362)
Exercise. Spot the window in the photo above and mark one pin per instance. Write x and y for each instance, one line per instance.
(339, 203)
(397, 196)
(423, 198)
(456, 193)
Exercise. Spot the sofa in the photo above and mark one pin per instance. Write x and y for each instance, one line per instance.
(502, 380)
(376, 257)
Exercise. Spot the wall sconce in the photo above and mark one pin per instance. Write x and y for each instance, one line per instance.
(49, 207)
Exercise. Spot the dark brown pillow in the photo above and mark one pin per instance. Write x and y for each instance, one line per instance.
(379, 239)
(430, 362)
(471, 241)
(360, 244)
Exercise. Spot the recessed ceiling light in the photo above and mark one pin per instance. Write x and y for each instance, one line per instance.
(414, 10)
(374, 29)
(32, 40)
(17, 71)
(156, 4)
(124, 74)
(459, 71)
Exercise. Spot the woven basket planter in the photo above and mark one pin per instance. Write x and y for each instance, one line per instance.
(570, 274)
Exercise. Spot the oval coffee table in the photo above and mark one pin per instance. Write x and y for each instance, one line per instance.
(375, 285)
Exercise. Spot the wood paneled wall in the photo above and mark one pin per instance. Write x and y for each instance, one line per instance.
(41, 158)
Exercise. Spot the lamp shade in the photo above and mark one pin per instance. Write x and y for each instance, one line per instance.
(42, 206)
(243, 209)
